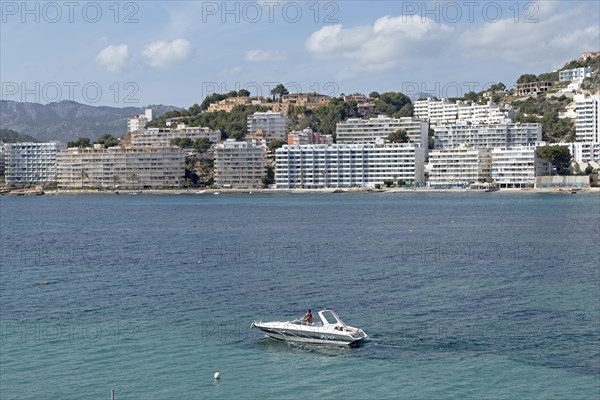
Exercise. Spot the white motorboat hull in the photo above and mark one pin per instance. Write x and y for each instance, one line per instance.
(338, 333)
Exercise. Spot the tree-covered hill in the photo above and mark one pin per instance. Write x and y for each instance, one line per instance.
(10, 136)
(68, 120)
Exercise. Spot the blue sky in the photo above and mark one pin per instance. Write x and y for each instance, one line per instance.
(148, 52)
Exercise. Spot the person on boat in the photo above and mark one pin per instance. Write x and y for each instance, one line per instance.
(308, 318)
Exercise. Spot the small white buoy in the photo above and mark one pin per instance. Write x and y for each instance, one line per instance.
(217, 375)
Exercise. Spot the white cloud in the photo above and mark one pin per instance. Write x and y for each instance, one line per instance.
(552, 40)
(231, 71)
(165, 54)
(114, 57)
(381, 46)
(265, 55)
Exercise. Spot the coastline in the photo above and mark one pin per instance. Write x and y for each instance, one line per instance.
(593, 190)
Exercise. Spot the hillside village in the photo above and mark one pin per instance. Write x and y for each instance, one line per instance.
(542, 132)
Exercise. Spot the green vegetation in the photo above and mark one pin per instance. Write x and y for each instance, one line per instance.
(545, 111)
(183, 143)
(548, 77)
(589, 170)
(279, 91)
(214, 98)
(232, 124)
(592, 83)
(497, 87)
(202, 145)
(553, 76)
(275, 144)
(81, 143)
(393, 104)
(527, 78)
(323, 119)
(595, 64)
(558, 156)
(269, 177)
(431, 139)
(204, 170)
(10, 136)
(108, 140)
(399, 136)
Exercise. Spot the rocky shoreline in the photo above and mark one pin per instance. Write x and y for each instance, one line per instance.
(32, 192)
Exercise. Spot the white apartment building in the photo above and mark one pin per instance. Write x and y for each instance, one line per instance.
(31, 162)
(239, 165)
(574, 74)
(436, 111)
(587, 119)
(347, 165)
(357, 130)
(2, 160)
(161, 137)
(487, 136)
(120, 168)
(584, 152)
(439, 112)
(139, 121)
(484, 113)
(517, 167)
(270, 122)
(459, 167)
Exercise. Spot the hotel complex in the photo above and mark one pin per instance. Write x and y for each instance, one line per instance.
(139, 121)
(587, 121)
(270, 122)
(517, 167)
(120, 168)
(347, 165)
(447, 112)
(161, 137)
(30, 162)
(462, 166)
(487, 136)
(474, 144)
(239, 165)
(587, 129)
(356, 130)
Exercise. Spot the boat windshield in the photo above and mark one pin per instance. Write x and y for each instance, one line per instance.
(329, 317)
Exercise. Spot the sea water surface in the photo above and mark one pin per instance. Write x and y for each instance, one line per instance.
(464, 296)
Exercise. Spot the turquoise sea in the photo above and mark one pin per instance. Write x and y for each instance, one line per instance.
(464, 296)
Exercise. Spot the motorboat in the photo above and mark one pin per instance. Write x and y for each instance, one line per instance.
(329, 330)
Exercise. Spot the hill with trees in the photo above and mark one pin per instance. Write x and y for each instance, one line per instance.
(10, 136)
(68, 120)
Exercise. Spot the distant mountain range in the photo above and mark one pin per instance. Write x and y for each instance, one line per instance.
(69, 120)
